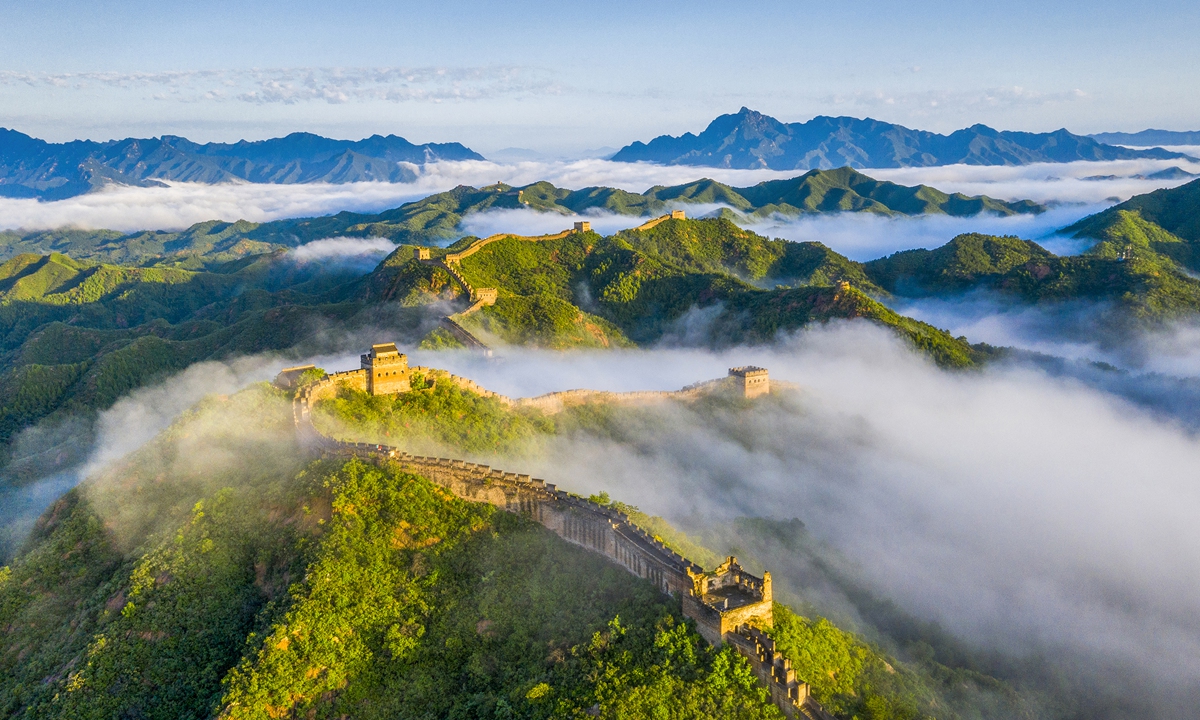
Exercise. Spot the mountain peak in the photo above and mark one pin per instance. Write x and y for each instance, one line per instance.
(51, 171)
(749, 139)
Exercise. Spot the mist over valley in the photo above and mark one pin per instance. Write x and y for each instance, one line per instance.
(479, 362)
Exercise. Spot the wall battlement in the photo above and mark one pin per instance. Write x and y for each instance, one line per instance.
(728, 604)
(673, 215)
(754, 380)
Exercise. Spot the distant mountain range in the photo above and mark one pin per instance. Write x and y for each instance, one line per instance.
(1147, 138)
(437, 218)
(35, 168)
(749, 139)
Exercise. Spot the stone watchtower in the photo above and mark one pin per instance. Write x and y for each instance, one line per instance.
(724, 600)
(584, 226)
(753, 380)
(387, 370)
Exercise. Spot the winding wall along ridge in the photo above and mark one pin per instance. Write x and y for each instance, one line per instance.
(488, 296)
(594, 527)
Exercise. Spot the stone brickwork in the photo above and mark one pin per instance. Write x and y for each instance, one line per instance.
(792, 696)
(728, 598)
(673, 215)
(728, 604)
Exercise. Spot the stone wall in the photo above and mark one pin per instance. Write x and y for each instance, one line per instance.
(790, 695)
(673, 215)
(480, 244)
(594, 527)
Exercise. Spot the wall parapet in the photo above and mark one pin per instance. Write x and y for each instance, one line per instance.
(792, 696)
(673, 215)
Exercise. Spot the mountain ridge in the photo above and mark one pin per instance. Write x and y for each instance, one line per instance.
(34, 168)
(749, 139)
(1149, 137)
(436, 218)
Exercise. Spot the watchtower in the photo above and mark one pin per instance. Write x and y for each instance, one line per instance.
(487, 296)
(727, 598)
(584, 226)
(421, 253)
(753, 380)
(678, 215)
(387, 370)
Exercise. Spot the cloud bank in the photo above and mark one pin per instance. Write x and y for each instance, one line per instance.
(361, 254)
(289, 86)
(1029, 513)
(1022, 510)
(182, 204)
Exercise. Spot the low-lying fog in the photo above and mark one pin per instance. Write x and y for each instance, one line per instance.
(1041, 505)
(182, 204)
(1022, 509)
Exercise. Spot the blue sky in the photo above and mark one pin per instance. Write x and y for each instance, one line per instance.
(563, 77)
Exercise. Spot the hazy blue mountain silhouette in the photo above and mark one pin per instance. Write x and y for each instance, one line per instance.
(749, 139)
(30, 167)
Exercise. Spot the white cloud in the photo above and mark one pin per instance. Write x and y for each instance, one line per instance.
(1044, 182)
(182, 204)
(1072, 330)
(863, 236)
(1013, 96)
(288, 86)
(859, 236)
(343, 248)
(1028, 513)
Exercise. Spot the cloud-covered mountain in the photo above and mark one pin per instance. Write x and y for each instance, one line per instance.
(30, 167)
(439, 217)
(749, 139)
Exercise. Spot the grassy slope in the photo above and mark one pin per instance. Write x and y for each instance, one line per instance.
(1149, 285)
(1175, 210)
(432, 419)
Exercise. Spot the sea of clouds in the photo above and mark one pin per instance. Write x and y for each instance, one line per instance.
(1040, 506)
(181, 204)
(1027, 512)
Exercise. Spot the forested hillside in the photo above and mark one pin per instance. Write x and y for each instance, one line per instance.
(76, 336)
(692, 281)
(216, 573)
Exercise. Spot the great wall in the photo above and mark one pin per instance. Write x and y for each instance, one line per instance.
(480, 297)
(728, 604)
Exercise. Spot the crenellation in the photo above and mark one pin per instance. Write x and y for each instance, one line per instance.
(753, 381)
